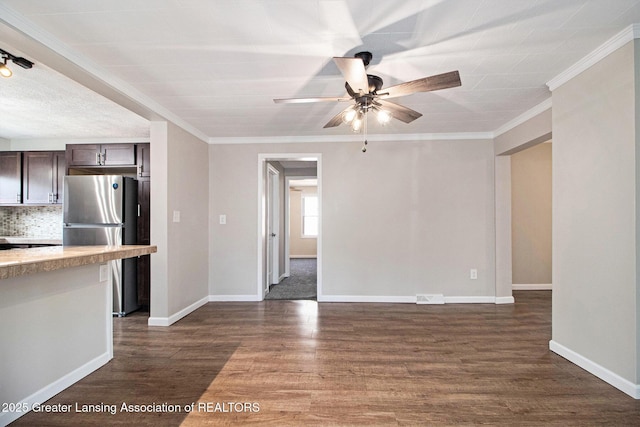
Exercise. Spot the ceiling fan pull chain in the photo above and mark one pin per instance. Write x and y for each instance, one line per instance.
(366, 121)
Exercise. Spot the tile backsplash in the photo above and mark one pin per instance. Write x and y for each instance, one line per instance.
(31, 221)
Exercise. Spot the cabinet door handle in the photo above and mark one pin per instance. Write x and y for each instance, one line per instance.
(97, 158)
(140, 170)
(104, 158)
(18, 197)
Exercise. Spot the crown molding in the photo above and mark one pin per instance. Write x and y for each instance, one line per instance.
(26, 27)
(351, 138)
(99, 140)
(527, 115)
(630, 33)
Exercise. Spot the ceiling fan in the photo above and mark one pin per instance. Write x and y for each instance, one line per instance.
(367, 94)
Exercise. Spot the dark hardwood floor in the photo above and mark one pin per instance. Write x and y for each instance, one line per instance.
(304, 363)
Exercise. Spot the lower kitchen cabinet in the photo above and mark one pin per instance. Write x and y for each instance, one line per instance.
(144, 238)
(144, 282)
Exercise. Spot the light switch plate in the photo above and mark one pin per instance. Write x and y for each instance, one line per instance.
(223, 219)
(176, 216)
(473, 274)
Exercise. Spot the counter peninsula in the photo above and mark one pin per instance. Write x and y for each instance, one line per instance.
(56, 322)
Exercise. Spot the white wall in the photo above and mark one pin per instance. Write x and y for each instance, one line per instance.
(188, 189)
(531, 215)
(595, 214)
(56, 329)
(301, 247)
(180, 182)
(402, 219)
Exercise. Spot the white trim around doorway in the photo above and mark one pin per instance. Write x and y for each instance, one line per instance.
(261, 233)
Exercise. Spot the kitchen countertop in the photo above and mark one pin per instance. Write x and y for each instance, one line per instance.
(19, 240)
(19, 262)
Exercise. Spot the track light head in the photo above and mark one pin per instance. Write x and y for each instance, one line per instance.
(4, 70)
(6, 56)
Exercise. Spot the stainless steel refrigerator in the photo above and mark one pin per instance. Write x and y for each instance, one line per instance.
(103, 210)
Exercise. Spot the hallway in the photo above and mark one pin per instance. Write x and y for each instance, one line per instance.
(300, 285)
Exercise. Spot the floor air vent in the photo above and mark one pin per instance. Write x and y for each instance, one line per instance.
(429, 299)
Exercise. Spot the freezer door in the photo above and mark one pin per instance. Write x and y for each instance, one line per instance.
(91, 235)
(93, 199)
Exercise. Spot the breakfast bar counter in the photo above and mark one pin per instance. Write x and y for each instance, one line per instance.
(56, 319)
(19, 262)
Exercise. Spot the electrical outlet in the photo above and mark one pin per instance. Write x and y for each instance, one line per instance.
(473, 274)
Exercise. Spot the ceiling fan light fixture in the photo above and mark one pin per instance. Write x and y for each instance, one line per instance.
(383, 117)
(356, 124)
(348, 116)
(4, 70)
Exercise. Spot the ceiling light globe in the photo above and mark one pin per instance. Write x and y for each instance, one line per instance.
(383, 117)
(348, 116)
(356, 125)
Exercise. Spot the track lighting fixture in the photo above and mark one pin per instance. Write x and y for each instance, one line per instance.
(6, 56)
(4, 70)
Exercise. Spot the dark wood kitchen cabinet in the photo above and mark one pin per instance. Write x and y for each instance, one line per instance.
(143, 157)
(101, 155)
(42, 180)
(144, 222)
(10, 177)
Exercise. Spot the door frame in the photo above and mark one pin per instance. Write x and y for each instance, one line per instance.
(272, 225)
(263, 158)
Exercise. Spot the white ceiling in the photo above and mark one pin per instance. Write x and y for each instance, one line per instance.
(217, 65)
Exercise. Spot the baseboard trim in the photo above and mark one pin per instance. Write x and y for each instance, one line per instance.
(531, 287)
(469, 300)
(599, 371)
(56, 387)
(234, 298)
(168, 321)
(365, 298)
(414, 300)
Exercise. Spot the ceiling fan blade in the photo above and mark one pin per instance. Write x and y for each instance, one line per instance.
(425, 84)
(337, 119)
(354, 73)
(307, 100)
(397, 111)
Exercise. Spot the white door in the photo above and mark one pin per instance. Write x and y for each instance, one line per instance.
(273, 227)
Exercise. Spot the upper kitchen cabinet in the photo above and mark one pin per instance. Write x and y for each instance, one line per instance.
(10, 177)
(101, 155)
(144, 160)
(43, 173)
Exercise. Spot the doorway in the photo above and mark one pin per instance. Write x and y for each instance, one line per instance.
(301, 221)
(531, 189)
(281, 276)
